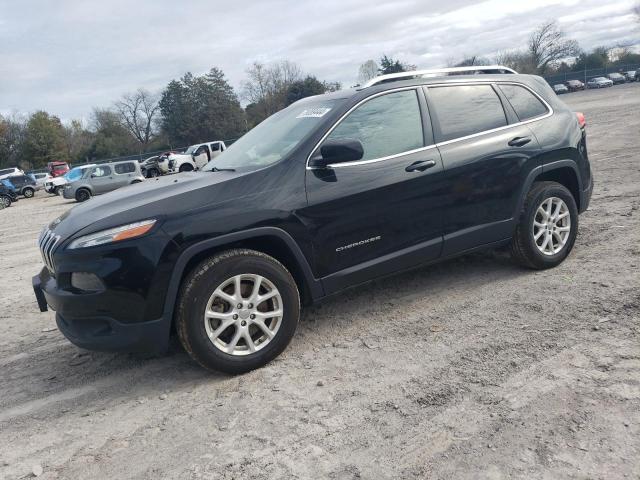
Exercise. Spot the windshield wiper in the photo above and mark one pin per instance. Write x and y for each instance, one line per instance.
(215, 169)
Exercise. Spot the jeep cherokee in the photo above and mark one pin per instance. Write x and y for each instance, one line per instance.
(333, 191)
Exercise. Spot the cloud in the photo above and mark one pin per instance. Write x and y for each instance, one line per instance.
(71, 55)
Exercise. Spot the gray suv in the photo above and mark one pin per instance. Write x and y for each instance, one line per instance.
(102, 179)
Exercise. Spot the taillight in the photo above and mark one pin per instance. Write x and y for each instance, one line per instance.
(581, 120)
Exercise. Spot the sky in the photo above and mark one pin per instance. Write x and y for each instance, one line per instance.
(68, 56)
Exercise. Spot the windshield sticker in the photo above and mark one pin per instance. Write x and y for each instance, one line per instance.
(314, 112)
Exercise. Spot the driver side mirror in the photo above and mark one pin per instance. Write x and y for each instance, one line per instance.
(337, 151)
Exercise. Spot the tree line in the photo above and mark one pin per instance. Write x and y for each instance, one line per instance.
(189, 110)
(195, 108)
(548, 51)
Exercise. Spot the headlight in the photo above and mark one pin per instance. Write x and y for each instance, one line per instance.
(117, 234)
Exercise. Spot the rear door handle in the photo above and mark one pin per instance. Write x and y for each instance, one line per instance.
(519, 141)
(420, 165)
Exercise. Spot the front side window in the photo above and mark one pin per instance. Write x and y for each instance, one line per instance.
(101, 172)
(525, 103)
(466, 109)
(386, 125)
(124, 168)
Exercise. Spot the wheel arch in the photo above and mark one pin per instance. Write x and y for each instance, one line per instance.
(564, 172)
(270, 240)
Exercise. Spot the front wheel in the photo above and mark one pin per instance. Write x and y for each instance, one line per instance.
(185, 167)
(237, 311)
(83, 195)
(5, 202)
(547, 228)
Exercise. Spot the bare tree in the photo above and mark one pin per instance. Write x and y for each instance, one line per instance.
(548, 45)
(471, 61)
(138, 113)
(266, 86)
(519, 60)
(367, 71)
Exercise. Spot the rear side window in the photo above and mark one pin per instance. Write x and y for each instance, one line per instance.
(101, 172)
(525, 103)
(124, 168)
(466, 109)
(386, 125)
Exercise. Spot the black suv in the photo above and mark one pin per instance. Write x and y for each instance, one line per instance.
(331, 192)
(8, 194)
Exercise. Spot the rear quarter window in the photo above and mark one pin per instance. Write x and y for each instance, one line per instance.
(464, 110)
(525, 103)
(124, 168)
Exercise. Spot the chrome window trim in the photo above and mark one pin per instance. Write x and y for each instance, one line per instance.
(550, 112)
(372, 160)
(505, 127)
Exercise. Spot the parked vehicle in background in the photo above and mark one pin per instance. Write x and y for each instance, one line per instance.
(333, 191)
(23, 184)
(103, 178)
(616, 78)
(630, 76)
(39, 178)
(8, 195)
(150, 167)
(57, 169)
(55, 185)
(194, 157)
(638, 75)
(560, 88)
(8, 172)
(599, 82)
(574, 85)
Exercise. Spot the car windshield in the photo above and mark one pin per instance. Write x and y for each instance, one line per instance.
(59, 167)
(274, 138)
(74, 174)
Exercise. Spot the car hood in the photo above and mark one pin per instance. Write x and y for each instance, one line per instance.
(157, 198)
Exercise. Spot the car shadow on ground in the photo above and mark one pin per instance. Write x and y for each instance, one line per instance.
(98, 377)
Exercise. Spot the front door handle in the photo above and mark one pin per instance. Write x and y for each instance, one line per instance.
(519, 141)
(420, 165)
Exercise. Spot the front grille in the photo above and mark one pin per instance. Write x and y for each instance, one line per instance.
(47, 243)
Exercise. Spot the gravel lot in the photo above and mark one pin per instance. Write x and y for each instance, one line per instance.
(471, 369)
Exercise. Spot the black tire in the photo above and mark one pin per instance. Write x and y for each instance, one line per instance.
(136, 181)
(56, 190)
(82, 195)
(198, 287)
(28, 192)
(153, 173)
(524, 249)
(185, 167)
(5, 201)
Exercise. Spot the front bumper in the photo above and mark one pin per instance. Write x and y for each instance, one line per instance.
(95, 331)
(120, 304)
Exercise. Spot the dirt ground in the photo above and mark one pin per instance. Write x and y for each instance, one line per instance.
(471, 369)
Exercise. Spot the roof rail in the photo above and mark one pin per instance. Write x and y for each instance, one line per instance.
(476, 69)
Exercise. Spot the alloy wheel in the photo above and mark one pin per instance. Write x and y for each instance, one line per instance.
(551, 226)
(4, 202)
(243, 314)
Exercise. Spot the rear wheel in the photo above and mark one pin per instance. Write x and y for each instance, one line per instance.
(28, 192)
(82, 195)
(547, 228)
(5, 201)
(56, 190)
(237, 311)
(185, 167)
(153, 173)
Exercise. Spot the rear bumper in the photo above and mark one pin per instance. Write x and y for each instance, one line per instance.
(585, 197)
